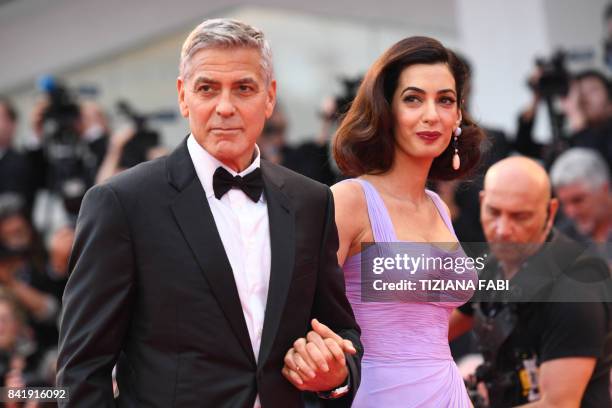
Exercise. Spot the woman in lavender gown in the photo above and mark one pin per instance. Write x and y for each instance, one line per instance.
(405, 127)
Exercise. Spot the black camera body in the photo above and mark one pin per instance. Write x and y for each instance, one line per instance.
(135, 151)
(555, 78)
(345, 98)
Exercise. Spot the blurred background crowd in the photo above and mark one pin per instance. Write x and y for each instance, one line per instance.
(98, 105)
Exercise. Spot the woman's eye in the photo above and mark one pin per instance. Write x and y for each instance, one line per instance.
(447, 100)
(411, 98)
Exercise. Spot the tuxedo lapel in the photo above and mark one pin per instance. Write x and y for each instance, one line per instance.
(195, 219)
(282, 243)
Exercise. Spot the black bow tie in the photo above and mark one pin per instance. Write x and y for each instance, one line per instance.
(251, 184)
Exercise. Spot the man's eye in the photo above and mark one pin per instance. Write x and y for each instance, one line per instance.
(493, 212)
(204, 88)
(245, 88)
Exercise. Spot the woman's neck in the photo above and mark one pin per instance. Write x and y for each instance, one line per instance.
(406, 178)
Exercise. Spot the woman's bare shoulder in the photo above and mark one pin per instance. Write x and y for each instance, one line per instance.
(348, 195)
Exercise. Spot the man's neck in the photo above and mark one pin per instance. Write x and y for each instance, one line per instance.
(510, 269)
(602, 231)
(239, 165)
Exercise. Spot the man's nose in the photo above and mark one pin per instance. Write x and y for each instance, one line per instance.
(503, 227)
(225, 106)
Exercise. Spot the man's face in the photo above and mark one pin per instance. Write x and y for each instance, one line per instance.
(515, 222)
(583, 205)
(7, 128)
(593, 99)
(227, 101)
(15, 232)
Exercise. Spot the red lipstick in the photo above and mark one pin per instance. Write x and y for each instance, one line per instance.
(429, 136)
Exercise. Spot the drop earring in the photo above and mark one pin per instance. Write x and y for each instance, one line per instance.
(456, 158)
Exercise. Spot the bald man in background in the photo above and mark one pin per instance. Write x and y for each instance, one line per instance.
(539, 350)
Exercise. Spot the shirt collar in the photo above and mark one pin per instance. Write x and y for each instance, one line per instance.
(205, 165)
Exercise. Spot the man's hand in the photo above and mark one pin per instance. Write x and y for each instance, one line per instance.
(121, 137)
(571, 106)
(317, 362)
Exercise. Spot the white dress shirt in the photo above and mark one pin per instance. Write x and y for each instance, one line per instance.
(245, 232)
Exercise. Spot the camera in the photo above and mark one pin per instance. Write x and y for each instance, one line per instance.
(555, 78)
(344, 99)
(135, 151)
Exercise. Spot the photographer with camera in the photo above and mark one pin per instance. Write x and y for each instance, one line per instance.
(69, 142)
(310, 158)
(132, 144)
(540, 348)
(585, 100)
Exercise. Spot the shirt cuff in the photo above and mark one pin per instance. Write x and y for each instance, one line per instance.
(337, 392)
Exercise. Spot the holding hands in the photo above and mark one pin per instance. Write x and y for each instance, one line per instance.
(317, 362)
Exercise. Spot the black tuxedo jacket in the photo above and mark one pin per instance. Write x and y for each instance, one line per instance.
(151, 289)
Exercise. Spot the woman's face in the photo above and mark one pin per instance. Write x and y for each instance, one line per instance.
(425, 111)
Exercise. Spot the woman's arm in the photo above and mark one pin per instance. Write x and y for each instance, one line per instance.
(351, 218)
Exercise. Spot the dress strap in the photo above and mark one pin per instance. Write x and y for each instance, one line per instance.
(380, 221)
(442, 210)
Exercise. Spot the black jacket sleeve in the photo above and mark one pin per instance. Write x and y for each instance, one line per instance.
(96, 302)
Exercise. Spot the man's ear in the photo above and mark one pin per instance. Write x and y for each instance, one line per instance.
(553, 207)
(271, 98)
(180, 87)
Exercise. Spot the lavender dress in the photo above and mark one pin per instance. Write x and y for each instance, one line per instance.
(407, 361)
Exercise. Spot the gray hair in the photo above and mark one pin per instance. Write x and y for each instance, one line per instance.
(580, 165)
(11, 204)
(227, 33)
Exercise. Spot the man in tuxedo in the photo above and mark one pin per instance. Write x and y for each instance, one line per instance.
(210, 277)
